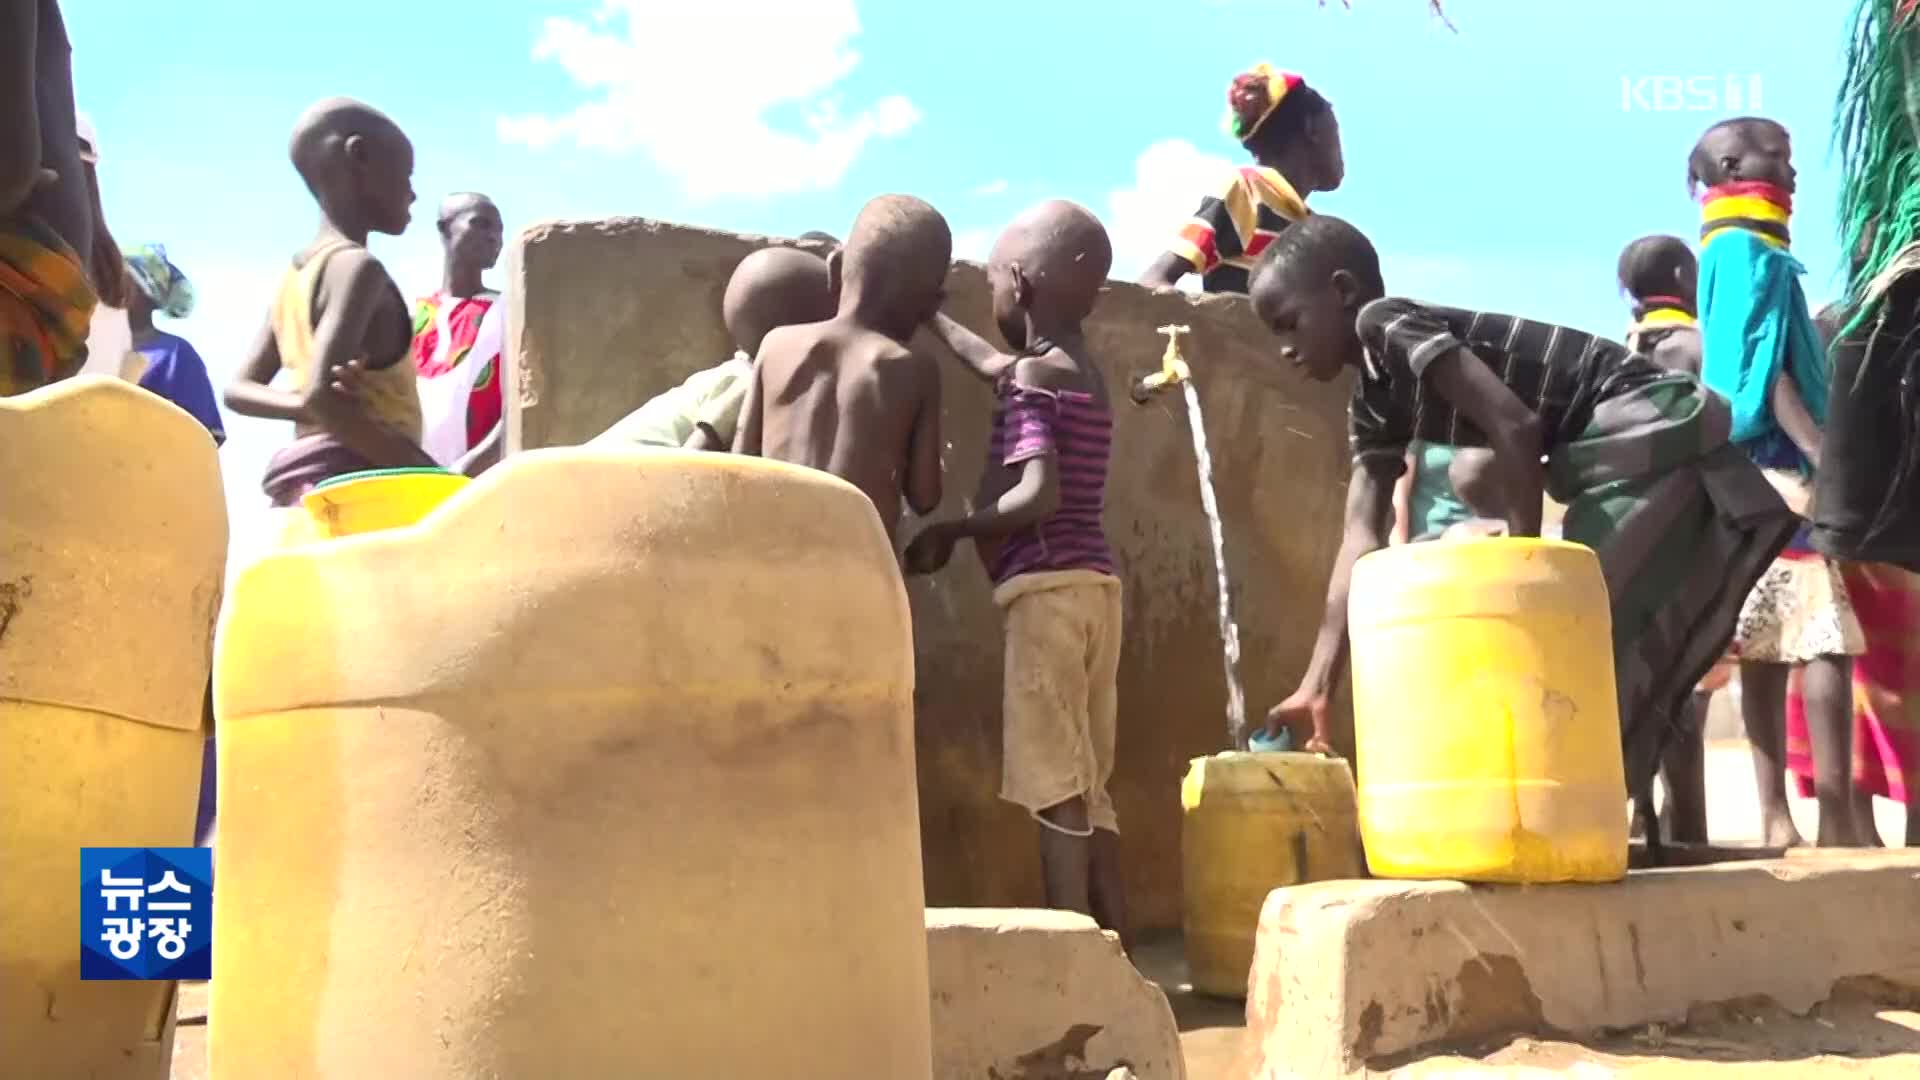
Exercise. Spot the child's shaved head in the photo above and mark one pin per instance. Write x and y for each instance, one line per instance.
(1063, 252)
(771, 288)
(1311, 283)
(1659, 266)
(352, 155)
(1047, 267)
(895, 263)
(1743, 148)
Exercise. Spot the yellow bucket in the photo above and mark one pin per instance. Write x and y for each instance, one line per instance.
(365, 502)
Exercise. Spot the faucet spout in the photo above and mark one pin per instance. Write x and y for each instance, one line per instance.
(1173, 369)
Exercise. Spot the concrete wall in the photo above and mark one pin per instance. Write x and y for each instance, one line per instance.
(613, 312)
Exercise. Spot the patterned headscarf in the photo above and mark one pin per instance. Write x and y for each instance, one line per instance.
(162, 281)
(1254, 96)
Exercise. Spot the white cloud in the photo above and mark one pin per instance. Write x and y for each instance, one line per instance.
(991, 187)
(704, 115)
(1169, 179)
(973, 244)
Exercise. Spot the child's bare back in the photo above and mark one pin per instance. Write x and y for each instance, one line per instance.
(847, 396)
(855, 403)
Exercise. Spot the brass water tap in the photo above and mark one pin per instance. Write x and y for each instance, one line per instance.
(1173, 369)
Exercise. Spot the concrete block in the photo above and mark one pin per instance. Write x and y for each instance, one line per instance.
(1365, 974)
(612, 312)
(1030, 994)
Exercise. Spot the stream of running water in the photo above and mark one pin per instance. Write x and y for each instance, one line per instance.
(1229, 630)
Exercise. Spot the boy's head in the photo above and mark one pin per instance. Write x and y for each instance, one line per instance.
(1744, 148)
(1311, 283)
(1048, 265)
(771, 288)
(1659, 266)
(471, 229)
(894, 267)
(356, 162)
(1280, 119)
(823, 239)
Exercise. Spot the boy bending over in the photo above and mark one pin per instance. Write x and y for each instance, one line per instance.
(1041, 502)
(847, 396)
(1682, 522)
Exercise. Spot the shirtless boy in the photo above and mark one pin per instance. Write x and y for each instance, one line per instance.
(339, 326)
(847, 396)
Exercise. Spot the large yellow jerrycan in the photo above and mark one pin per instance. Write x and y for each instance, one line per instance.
(603, 768)
(1255, 822)
(113, 545)
(1485, 720)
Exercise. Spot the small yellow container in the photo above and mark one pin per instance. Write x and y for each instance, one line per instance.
(366, 502)
(1255, 822)
(1486, 723)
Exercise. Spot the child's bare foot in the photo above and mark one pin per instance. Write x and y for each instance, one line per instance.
(1777, 831)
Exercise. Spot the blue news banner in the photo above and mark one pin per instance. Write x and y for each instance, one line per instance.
(146, 913)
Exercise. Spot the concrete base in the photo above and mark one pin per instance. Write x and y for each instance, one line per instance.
(1022, 994)
(1366, 974)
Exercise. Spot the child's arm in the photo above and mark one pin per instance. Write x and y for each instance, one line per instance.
(20, 135)
(1369, 506)
(1166, 271)
(1403, 504)
(747, 439)
(251, 393)
(1791, 412)
(1512, 431)
(923, 454)
(979, 357)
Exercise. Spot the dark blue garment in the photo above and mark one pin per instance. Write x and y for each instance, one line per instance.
(176, 372)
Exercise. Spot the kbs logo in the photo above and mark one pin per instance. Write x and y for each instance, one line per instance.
(1690, 93)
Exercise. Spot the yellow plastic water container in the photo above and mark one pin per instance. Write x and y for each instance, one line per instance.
(113, 544)
(378, 499)
(1486, 725)
(1255, 822)
(603, 768)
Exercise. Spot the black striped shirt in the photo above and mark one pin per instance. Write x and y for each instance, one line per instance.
(1558, 373)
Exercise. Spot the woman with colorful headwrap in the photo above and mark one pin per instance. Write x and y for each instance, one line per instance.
(1295, 141)
(164, 363)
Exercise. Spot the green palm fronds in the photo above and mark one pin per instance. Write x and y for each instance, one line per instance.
(1877, 134)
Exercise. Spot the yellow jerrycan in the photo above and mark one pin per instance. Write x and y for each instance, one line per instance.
(1255, 822)
(605, 767)
(113, 546)
(1486, 725)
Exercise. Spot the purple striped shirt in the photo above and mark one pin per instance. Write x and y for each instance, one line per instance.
(1076, 428)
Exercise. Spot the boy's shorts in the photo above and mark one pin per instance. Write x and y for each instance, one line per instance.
(1059, 708)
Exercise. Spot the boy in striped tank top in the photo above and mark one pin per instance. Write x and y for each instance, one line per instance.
(1037, 524)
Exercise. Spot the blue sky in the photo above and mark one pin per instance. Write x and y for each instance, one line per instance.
(1497, 167)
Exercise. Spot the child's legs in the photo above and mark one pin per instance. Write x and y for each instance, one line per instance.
(1763, 707)
(1107, 885)
(1827, 687)
(1049, 763)
(1685, 767)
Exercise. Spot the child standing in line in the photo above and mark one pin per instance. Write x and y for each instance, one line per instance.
(339, 326)
(771, 288)
(1660, 277)
(1042, 498)
(847, 396)
(1682, 523)
(1762, 353)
